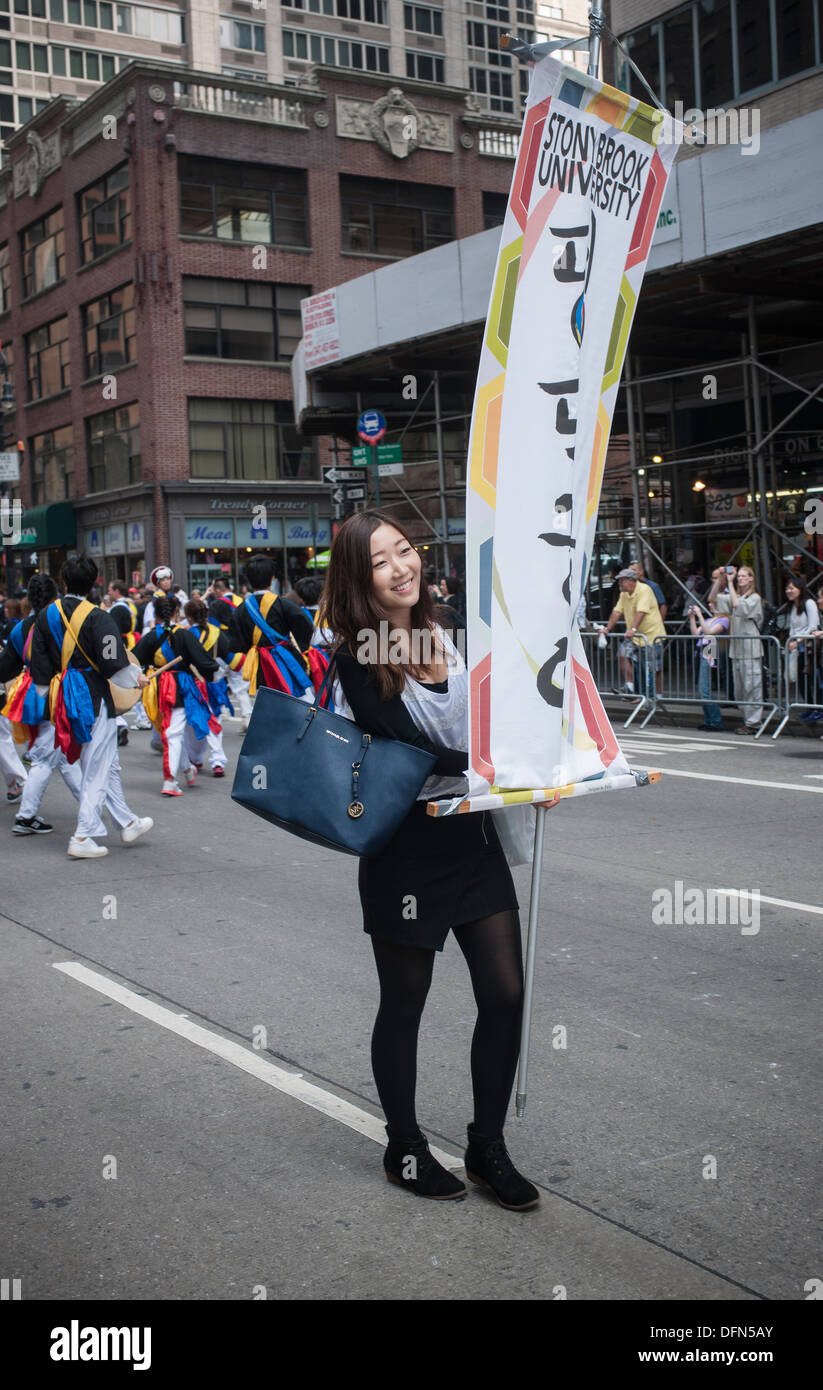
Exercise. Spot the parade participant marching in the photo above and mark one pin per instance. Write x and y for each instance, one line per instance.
(27, 713)
(77, 656)
(262, 627)
(222, 602)
(216, 643)
(162, 580)
(453, 867)
(309, 592)
(179, 696)
(124, 611)
(14, 773)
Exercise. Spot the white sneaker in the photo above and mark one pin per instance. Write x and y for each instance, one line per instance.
(190, 775)
(170, 788)
(86, 849)
(138, 827)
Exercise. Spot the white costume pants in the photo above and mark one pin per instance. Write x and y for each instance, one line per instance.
(44, 759)
(10, 764)
(173, 738)
(196, 747)
(239, 690)
(100, 780)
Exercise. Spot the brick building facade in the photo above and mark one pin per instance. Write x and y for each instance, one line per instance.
(155, 241)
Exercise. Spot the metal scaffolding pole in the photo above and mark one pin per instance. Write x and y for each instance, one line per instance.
(633, 457)
(441, 472)
(765, 557)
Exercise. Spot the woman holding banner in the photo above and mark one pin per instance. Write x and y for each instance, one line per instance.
(436, 874)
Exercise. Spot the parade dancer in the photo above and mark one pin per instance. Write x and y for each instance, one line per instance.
(27, 713)
(222, 601)
(216, 643)
(14, 773)
(76, 653)
(176, 697)
(124, 611)
(162, 580)
(309, 592)
(262, 627)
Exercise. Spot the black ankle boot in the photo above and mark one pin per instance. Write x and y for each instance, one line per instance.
(409, 1163)
(488, 1164)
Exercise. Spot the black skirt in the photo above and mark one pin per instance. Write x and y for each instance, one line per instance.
(436, 873)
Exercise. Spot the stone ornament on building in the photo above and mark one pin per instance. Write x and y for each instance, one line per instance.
(42, 159)
(395, 124)
(467, 141)
(321, 119)
(157, 93)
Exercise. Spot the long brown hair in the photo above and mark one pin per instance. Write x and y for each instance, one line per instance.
(349, 603)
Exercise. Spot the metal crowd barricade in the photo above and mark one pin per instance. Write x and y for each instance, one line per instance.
(610, 664)
(672, 677)
(803, 682)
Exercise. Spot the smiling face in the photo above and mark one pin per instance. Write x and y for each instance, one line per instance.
(792, 592)
(396, 568)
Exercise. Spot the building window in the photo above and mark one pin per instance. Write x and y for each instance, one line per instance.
(52, 466)
(422, 20)
(495, 87)
(109, 332)
(494, 209)
(35, 8)
(5, 279)
(428, 67)
(243, 202)
(254, 440)
(44, 254)
(105, 214)
(32, 57)
(242, 319)
(235, 33)
(167, 26)
(47, 359)
(334, 52)
(371, 11)
(113, 440)
(665, 50)
(383, 218)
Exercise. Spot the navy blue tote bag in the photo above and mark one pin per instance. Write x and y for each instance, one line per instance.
(319, 776)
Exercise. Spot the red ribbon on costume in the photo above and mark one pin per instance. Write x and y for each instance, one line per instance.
(318, 665)
(63, 736)
(272, 676)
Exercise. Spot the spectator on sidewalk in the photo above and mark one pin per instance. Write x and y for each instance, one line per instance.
(662, 605)
(637, 606)
(804, 619)
(707, 630)
(745, 611)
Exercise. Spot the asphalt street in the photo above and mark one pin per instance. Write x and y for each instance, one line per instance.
(158, 1144)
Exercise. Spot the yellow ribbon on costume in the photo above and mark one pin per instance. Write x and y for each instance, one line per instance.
(20, 732)
(151, 701)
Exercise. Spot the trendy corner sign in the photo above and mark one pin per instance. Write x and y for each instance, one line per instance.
(583, 209)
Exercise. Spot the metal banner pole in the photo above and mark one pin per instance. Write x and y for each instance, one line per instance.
(596, 22)
(531, 954)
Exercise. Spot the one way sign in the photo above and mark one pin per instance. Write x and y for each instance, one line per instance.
(332, 474)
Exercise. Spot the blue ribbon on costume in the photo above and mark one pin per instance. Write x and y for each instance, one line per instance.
(292, 669)
(197, 709)
(76, 694)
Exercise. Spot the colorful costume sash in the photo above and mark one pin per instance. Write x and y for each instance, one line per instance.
(70, 704)
(23, 707)
(280, 666)
(217, 692)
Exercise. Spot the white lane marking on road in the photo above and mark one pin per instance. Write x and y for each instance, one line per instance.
(778, 902)
(616, 1027)
(701, 1148)
(290, 1083)
(723, 741)
(643, 746)
(743, 781)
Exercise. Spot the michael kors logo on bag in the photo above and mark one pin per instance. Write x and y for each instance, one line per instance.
(356, 808)
(339, 737)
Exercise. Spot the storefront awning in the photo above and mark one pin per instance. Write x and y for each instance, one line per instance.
(47, 526)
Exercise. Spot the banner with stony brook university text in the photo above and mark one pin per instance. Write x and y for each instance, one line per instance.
(587, 188)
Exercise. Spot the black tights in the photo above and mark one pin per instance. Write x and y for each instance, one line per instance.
(493, 952)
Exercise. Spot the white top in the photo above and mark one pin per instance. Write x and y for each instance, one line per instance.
(443, 718)
(808, 621)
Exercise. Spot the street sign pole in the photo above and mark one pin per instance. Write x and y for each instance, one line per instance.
(376, 469)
